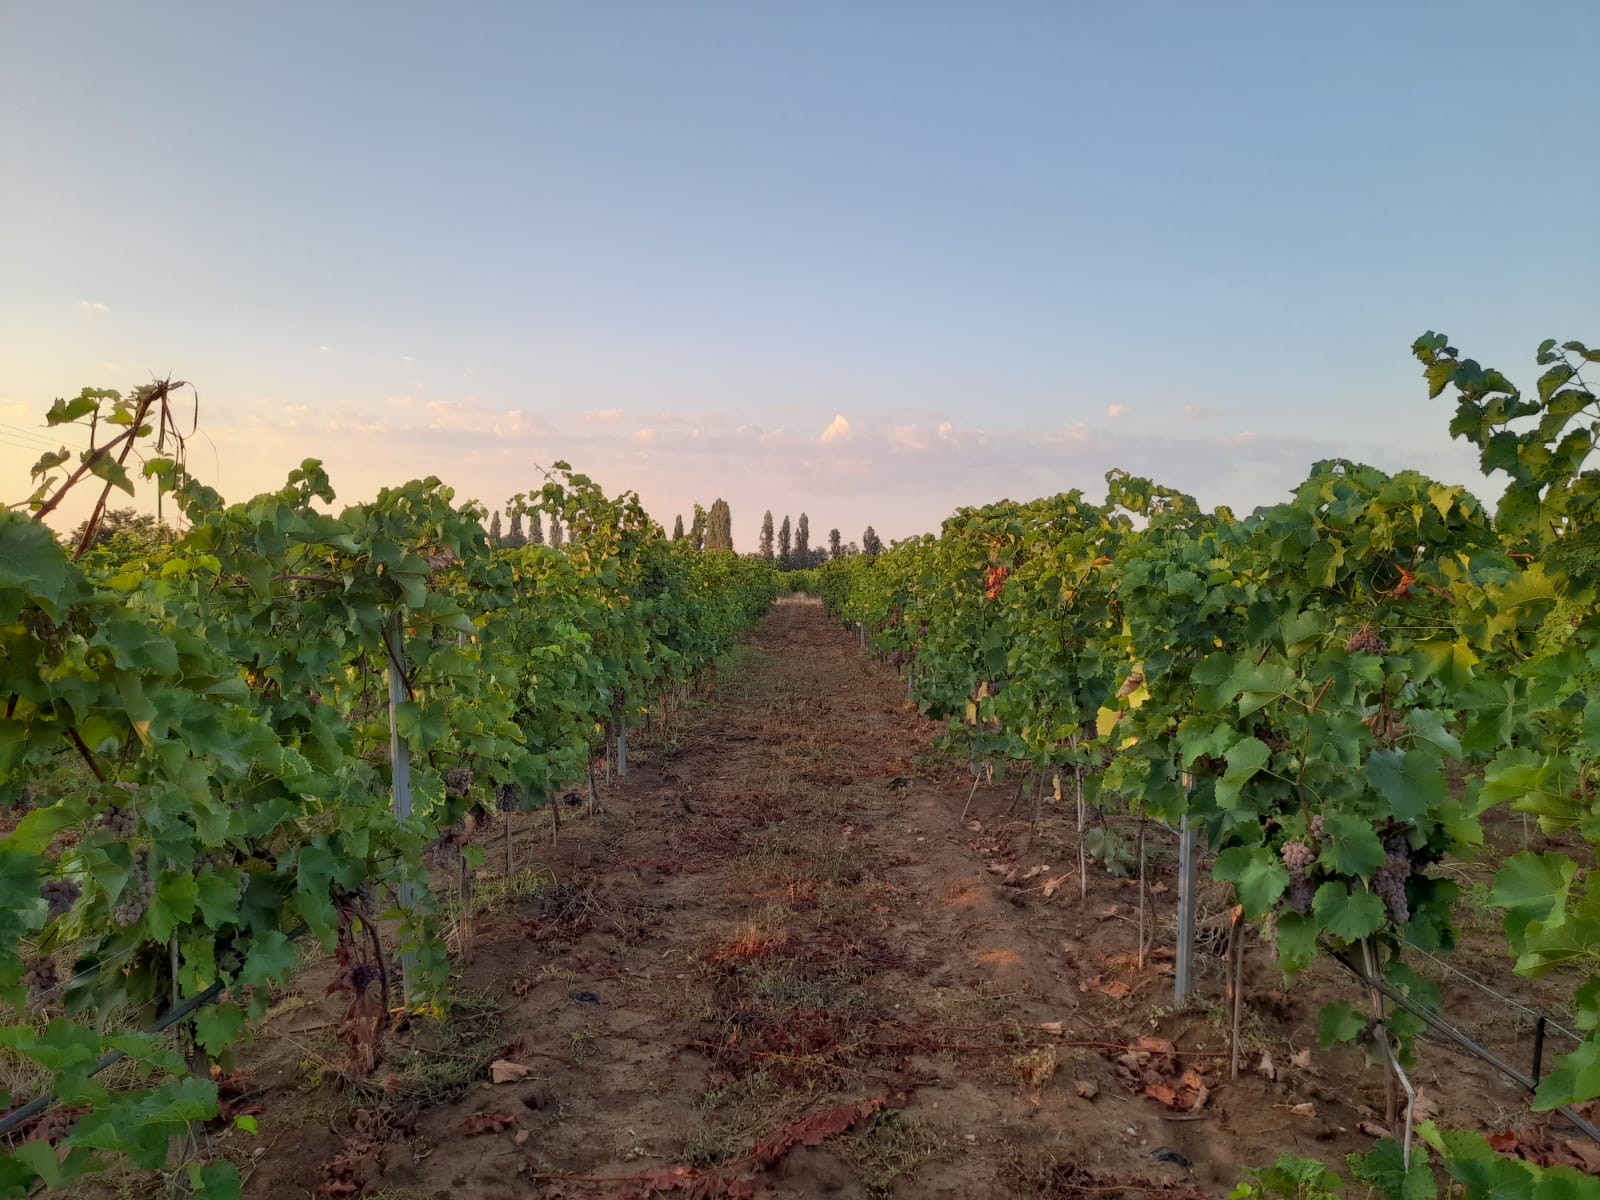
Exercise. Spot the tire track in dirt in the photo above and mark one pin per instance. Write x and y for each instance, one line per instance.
(777, 913)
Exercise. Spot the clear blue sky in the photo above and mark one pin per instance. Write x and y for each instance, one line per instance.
(995, 248)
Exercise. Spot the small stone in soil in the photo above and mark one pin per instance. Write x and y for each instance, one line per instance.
(1170, 1156)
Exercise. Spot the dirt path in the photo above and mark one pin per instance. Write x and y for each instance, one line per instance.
(779, 933)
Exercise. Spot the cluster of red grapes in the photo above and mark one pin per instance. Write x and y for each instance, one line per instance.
(60, 895)
(120, 822)
(135, 898)
(1365, 641)
(1389, 880)
(458, 783)
(1298, 857)
(362, 977)
(42, 979)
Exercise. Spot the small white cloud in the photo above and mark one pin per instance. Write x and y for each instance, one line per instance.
(838, 431)
(92, 307)
(1238, 439)
(910, 437)
(1197, 412)
(111, 366)
(604, 416)
(1117, 410)
(645, 435)
(324, 349)
(406, 358)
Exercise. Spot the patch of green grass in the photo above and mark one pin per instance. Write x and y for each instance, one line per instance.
(887, 1148)
(442, 1059)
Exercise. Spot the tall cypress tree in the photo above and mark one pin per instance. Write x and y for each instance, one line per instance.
(536, 529)
(677, 529)
(870, 545)
(784, 545)
(494, 530)
(802, 542)
(766, 536)
(556, 536)
(515, 539)
(834, 550)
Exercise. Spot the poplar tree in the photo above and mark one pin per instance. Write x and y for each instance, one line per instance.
(766, 536)
(784, 545)
(536, 530)
(556, 535)
(494, 530)
(870, 545)
(834, 548)
(677, 529)
(719, 526)
(802, 542)
(515, 540)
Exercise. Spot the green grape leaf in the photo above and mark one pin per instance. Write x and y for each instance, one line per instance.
(218, 1026)
(1257, 874)
(1338, 1022)
(1410, 780)
(1245, 757)
(1349, 917)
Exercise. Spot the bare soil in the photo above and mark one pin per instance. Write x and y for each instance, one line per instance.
(778, 962)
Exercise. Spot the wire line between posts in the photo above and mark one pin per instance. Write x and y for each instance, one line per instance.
(173, 1016)
(1440, 1025)
(182, 1012)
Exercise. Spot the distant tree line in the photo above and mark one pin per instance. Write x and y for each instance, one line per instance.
(789, 547)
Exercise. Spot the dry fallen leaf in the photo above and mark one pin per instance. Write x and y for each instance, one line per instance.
(503, 1070)
(1055, 1027)
(1052, 886)
(1304, 1109)
(1034, 872)
(1088, 1089)
(1105, 914)
(1424, 1109)
(1116, 989)
(1300, 1060)
(1266, 1068)
(1373, 1129)
(488, 1122)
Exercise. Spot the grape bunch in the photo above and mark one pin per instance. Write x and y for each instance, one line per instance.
(1317, 833)
(362, 977)
(42, 979)
(457, 783)
(120, 822)
(1298, 857)
(134, 900)
(1389, 880)
(60, 895)
(1365, 641)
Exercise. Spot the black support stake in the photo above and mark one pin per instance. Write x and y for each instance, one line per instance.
(1538, 1050)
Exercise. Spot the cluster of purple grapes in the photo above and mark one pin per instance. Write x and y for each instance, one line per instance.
(1365, 641)
(362, 977)
(60, 895)
(1389, 880)
(134, 900)
(120, 822)
(458, 783)
(1298, 857)
(42, 979)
